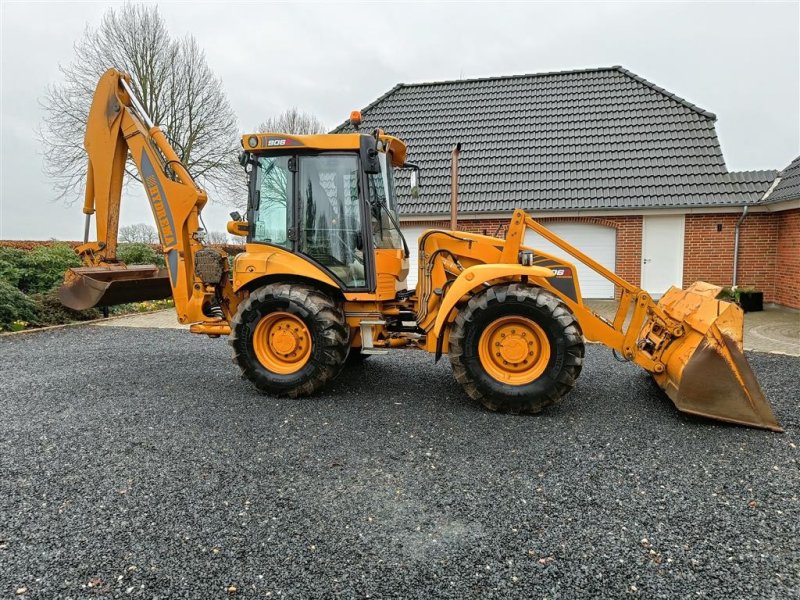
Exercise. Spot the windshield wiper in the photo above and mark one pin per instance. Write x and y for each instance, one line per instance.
(382, 204)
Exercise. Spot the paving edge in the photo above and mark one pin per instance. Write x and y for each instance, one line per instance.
(82, 323)
(780, 352)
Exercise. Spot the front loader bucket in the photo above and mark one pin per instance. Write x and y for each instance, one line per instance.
(706, 371)
(87, 287)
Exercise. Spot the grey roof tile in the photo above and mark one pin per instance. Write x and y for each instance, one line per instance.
(592, 139)
(788, 186)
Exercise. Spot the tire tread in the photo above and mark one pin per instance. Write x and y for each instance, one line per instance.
(571, 333)
(299, 298)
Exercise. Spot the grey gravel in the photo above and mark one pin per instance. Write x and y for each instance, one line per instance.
(136, 463)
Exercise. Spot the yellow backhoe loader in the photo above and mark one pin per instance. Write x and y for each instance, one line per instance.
(322, 278)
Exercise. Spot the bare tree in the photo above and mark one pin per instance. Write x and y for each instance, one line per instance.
(293, 120)
(140, 233)
(273, 191)
(216, 237)
(175, 84)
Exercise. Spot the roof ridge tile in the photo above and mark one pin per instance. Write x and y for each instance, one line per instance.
(514, 76)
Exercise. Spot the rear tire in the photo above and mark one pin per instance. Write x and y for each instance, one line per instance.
(289, 339)
(516, 348)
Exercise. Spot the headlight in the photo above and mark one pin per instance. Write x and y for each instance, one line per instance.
(526, 258)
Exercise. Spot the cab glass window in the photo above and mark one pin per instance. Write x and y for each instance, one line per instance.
(272, 213)
(330, 215)
(382, 199)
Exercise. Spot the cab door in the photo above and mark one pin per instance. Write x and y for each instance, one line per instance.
(330, 223)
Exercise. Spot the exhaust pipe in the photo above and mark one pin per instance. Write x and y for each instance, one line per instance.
(454, 187)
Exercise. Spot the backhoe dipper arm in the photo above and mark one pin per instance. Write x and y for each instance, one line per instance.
(118, 125)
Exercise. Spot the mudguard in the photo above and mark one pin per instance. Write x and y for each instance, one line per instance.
(475, 277)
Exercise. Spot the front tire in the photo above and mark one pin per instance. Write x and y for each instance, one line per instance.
(289, 339)
(516, 348)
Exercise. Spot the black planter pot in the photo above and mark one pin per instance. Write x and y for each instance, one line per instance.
(751, 301)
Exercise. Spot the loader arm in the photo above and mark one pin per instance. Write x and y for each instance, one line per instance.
(689, 341)
(618, 335)
(118, 126)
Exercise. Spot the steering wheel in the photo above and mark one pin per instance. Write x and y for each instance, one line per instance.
(344, 245)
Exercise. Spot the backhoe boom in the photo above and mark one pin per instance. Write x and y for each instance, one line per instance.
(118, 127)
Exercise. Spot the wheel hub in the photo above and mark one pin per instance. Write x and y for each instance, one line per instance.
(514, 350)
(282, 342)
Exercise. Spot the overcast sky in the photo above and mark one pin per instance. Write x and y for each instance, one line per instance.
(738, 60)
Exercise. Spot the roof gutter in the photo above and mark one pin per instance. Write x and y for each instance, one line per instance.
(736, 244)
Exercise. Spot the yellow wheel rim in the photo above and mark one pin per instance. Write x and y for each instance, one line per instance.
(514, 350)
(282, 343)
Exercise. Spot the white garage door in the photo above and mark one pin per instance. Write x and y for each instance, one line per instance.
(412, 233)
(598, 242)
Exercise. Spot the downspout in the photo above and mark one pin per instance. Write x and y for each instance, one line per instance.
(736, 244)
(454, 186)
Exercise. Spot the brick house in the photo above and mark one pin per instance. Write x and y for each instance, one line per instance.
(626, 171)
(778, 214)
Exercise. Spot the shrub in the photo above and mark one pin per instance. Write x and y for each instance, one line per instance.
(11, 261)
(15, 306)
(139, 254)
(50, 311)
(31, 244)
(43, 268)
(727, 294)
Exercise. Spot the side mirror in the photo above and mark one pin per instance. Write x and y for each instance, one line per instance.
(414, 178)
(236, 215)
(244, 158)
(240, 228)
(414, 183)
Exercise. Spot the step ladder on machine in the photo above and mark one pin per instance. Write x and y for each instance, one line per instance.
(367, 337)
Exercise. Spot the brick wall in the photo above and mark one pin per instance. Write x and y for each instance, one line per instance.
(758, 248)
(629, 248)
(769, 253)
(787, 260)
(708, 251)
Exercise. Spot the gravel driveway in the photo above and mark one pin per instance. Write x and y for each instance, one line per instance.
(136, 463)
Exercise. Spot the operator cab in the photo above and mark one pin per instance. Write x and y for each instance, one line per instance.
(329, 198)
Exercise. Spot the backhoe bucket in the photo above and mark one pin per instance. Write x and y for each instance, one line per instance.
(87, 287)
(706, 371)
